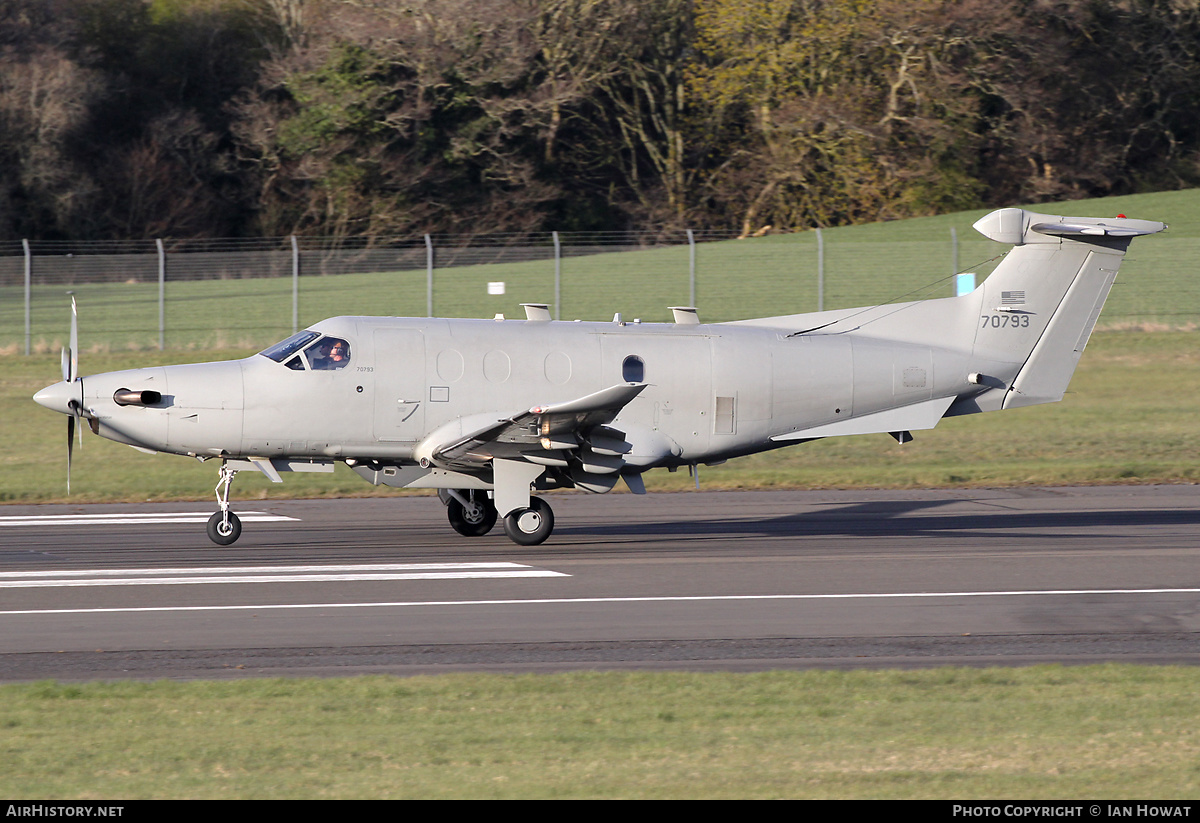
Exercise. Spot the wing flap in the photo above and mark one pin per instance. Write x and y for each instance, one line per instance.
(558, 424)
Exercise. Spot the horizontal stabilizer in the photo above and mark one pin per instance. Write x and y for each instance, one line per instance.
(1016, 227)
(1074, 229)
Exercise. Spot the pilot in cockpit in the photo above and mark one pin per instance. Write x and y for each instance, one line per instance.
(331, 353)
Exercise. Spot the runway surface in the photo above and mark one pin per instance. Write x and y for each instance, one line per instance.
(701, 580)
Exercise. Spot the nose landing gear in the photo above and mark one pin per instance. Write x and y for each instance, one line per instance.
(224, 527)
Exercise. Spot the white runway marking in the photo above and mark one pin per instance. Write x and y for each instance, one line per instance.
(574, 601)
(266, 574)
(131, 519)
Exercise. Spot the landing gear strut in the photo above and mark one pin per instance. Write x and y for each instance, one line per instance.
(224, 527)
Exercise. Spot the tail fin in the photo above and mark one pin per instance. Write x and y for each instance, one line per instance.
(1039, 306)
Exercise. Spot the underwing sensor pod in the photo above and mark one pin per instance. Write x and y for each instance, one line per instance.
(489, 411)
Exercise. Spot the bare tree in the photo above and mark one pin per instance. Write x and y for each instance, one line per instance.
(44, 99)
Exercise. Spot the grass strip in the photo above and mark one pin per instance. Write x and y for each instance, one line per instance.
(1110, 731)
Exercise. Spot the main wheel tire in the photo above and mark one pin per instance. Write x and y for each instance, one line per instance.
(473, 521)
(224, 531)
(531, 526)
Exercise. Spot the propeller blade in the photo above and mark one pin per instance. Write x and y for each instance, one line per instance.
(70, 374)
(74, 342)
(70, 447)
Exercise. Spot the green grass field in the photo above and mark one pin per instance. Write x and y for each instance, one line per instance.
(735, 279)
(1039, 733)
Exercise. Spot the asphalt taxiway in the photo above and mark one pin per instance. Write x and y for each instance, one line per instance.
(697, 580)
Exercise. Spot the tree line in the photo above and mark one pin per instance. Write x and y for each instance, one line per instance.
(344, 118)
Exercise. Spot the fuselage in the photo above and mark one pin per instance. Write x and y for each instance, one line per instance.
(713, 391)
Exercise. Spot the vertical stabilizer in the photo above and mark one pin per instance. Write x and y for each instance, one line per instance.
(1040, 305)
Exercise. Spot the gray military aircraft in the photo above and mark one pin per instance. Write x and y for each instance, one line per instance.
(487, 410)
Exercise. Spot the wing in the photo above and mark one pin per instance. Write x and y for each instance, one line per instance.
(543, 433)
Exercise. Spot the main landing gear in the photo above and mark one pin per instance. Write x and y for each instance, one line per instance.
(224, 527)
(529, 527)
(473, 514)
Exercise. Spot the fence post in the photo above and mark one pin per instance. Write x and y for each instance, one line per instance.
(162, 294)
(557, 277)
(295, 285)
(28, 293)
(428, 276)
(820, 271)
(953, 250)
(691, 269)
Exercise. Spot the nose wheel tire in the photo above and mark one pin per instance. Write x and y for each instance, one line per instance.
(475, 519)
(531, 526)
(224, 528)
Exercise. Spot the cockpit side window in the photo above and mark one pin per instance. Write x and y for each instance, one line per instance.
(284, 349)
(329, 353)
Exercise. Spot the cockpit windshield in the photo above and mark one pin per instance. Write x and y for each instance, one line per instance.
(285, 348)
(327, 353)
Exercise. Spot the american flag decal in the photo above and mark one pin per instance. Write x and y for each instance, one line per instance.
(1012, 298)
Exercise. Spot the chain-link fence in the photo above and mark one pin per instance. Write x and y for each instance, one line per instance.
(249, 293)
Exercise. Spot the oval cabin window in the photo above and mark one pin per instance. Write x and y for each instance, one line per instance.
(633, 370)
